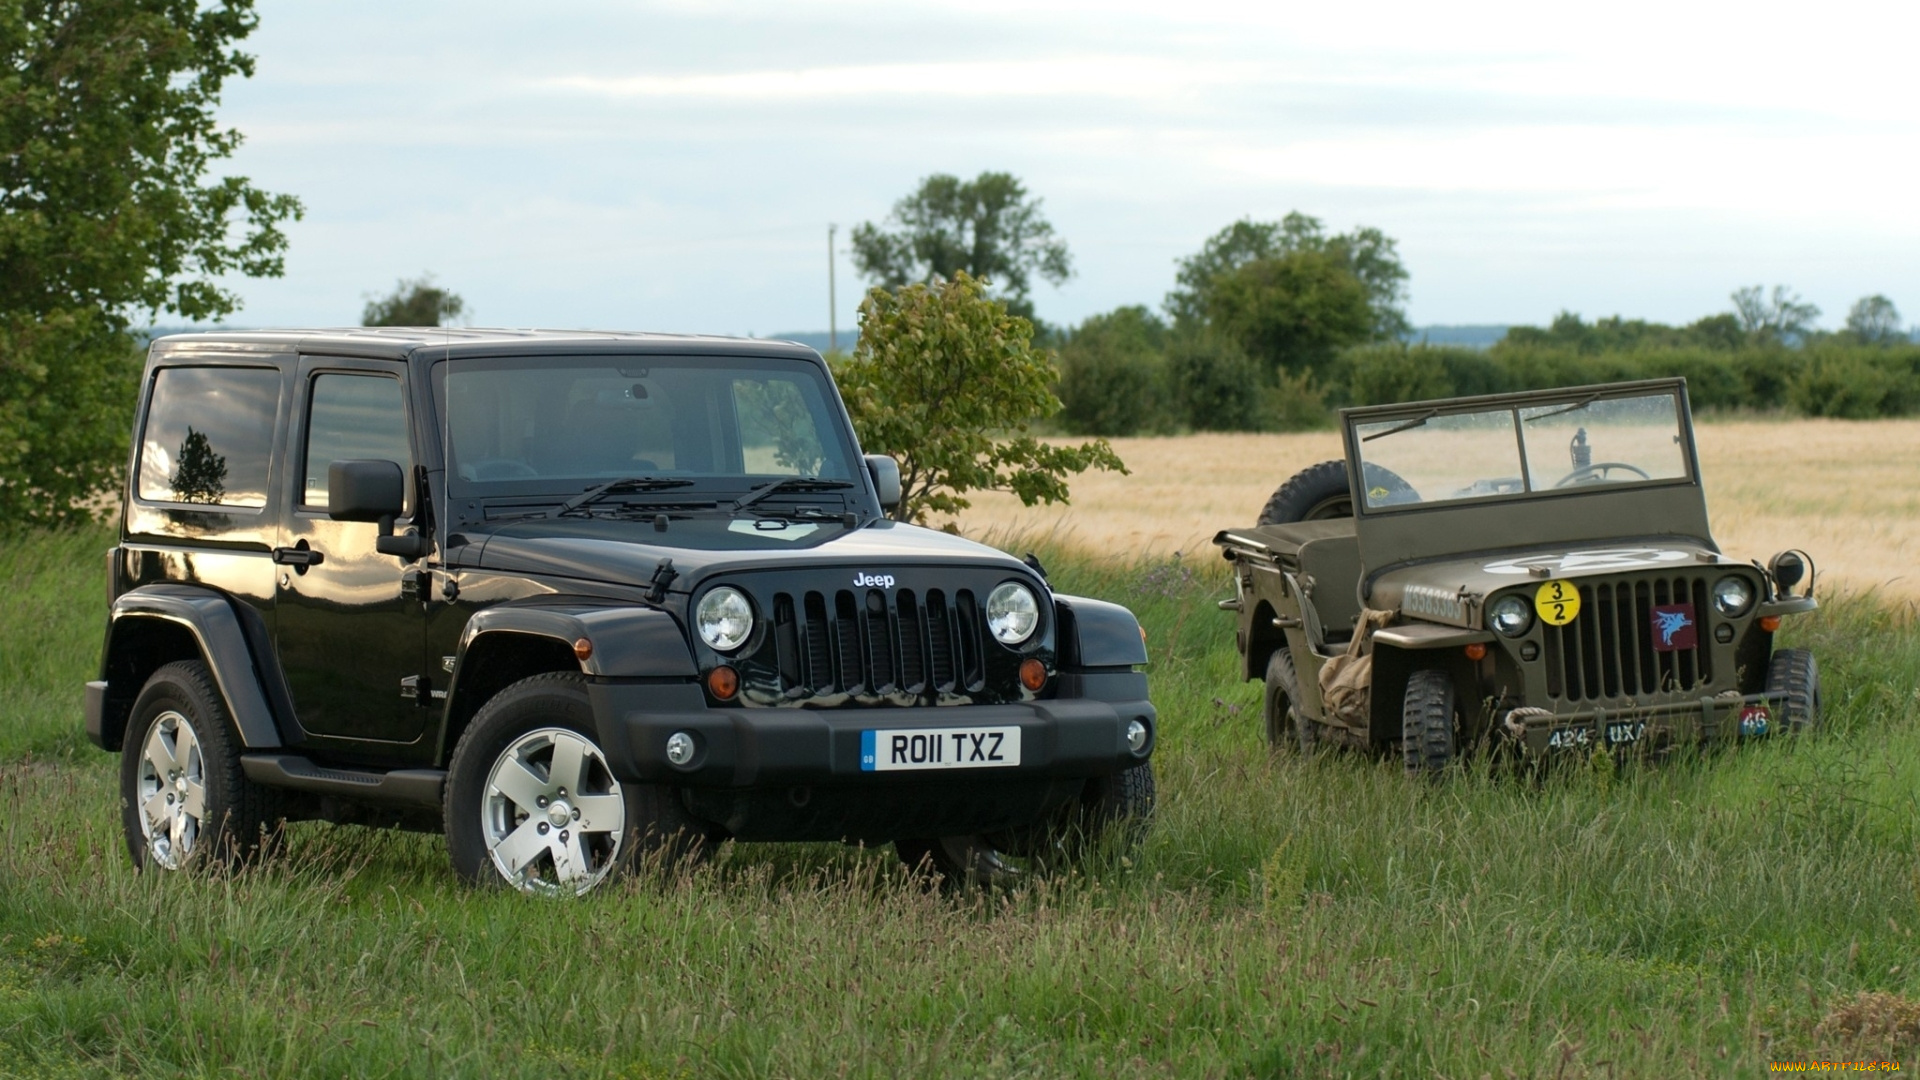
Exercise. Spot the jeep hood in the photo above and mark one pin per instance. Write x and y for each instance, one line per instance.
(628, 552)
(1452, 591)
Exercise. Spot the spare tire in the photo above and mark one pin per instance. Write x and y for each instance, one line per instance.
(1320, 492)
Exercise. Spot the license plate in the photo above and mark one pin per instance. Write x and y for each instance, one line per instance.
(1615, 733)
(941, 748)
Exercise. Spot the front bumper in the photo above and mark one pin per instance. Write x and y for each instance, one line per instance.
(1081, 732)
(1723, 717)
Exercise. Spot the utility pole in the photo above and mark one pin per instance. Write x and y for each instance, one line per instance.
(833, 325)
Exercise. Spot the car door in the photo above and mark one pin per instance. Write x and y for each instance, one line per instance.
(351, 638)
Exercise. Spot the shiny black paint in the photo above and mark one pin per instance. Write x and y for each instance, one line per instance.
(312, 648)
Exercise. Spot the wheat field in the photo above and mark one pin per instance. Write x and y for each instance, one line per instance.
(1847, 492)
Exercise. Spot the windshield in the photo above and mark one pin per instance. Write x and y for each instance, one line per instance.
(525, 426)
(1562, 446)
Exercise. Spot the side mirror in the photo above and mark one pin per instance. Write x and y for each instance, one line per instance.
(886, 479)
(372, 490)
(366, 491)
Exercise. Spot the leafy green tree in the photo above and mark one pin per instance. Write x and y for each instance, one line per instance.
(946, 380)
(414, 302)
(1291, 311)
(1783, 319)
(1874, 320)
(986, 226)
(1217, 386)
(1113, 375)
(106, 212)
(1369, 254)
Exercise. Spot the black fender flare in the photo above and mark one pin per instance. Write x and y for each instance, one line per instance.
(627, 641)
(1097, 634)
(216, 624)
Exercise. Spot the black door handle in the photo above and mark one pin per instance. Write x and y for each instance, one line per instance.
(298, 556)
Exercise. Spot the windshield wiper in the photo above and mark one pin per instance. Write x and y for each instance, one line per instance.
(617, 487)
(1562, 411)
(1418, 421)
(792, 483)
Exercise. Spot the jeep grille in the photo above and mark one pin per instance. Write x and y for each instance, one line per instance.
(856, 642)
(1607, 650)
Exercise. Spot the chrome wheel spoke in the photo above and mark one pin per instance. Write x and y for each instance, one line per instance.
(569, 761)
(600, 813)
(570, 865)
(518, 848)
(194, 805)
(156, 811)
(513, 779)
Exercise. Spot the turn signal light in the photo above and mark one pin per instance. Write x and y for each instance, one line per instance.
(582, 649)
(1769, 623)
(723, 682)
(1477, 651)
(1033, 674)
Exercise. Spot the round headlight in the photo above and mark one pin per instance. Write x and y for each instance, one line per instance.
(1012, 613)
(724, 618)
(1510, 616)
(1732, 596)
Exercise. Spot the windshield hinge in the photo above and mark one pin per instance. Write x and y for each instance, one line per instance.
(663, 576)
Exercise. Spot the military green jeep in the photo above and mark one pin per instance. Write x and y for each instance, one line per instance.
(1532, 569)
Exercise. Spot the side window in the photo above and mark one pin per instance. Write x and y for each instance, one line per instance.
(351, 417)
(209, 435)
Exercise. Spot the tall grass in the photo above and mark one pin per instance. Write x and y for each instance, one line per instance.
(1287, 916)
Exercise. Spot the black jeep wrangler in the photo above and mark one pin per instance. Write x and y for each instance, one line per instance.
(577, 598)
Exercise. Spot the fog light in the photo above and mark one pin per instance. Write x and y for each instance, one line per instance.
(680, 748)
(1033, 674)
(1137, 733)
(723, 682)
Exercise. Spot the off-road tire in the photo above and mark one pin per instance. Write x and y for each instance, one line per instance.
(1112, 812)
(1320, 493)
(658, 830)
(239, 817)
(1429, 723)
(1288, 726)
(1793, 674)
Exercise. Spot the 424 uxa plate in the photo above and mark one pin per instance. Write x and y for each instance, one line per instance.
(941, 748)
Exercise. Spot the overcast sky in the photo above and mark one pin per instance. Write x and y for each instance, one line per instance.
(674, 165)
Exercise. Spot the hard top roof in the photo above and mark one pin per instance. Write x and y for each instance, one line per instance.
(429, 343)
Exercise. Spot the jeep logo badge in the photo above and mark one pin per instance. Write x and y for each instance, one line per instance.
(873, 581)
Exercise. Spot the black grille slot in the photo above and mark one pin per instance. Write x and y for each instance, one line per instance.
(859, 643)
(939, 641)
(913, 650)
(819, 646)
(1608, 650)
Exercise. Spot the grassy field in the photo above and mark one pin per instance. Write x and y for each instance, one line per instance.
(1840, 489)
(1286, 917)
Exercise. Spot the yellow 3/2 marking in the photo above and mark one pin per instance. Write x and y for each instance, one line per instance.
(1558, 602)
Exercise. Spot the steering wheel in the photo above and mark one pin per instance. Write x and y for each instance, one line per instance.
(1598, 471)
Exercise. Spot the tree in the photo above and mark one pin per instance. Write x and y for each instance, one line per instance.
(986, 226)
(1291, 311)
(416, 302)
(946, 380)
(106, 211)
(200, 475)
(1875, 321)
(1113, 375)
(1369, 254)
(1783, 320)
